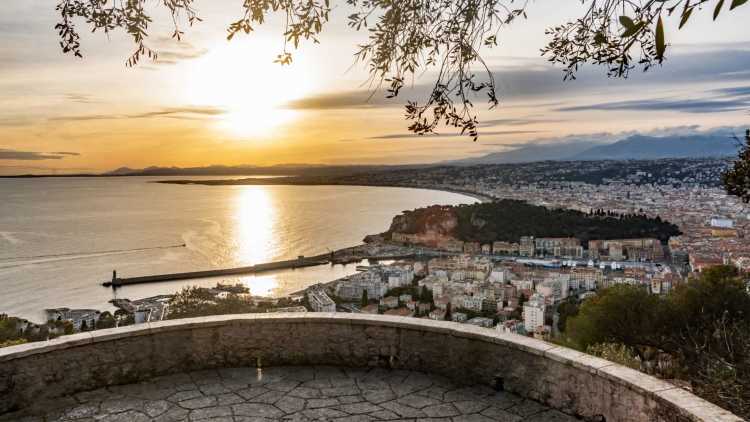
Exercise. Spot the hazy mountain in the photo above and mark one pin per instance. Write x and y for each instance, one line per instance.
(529, 153)
(636, 147)
(650, 147)
(251, 170)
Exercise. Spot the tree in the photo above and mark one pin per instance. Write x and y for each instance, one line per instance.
(621, 314)
(448, 313)
(566, 309)
(426, 296)
(703, 327)
(364, 300)
(106, 320)
(84, 325)
(409, 36)
(737, 179)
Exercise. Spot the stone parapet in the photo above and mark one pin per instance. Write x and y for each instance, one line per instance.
(562, 378)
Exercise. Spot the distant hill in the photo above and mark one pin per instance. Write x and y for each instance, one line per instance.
(528, 153)
(640, 147)
(636, 147)
(250, 170)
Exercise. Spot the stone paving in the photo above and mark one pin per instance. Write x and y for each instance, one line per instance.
(295, 394)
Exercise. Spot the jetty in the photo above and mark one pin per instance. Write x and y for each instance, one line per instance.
(300, 262)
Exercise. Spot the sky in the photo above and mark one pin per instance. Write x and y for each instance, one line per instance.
(209, 101)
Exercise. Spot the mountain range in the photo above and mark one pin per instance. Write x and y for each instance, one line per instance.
(635, 147)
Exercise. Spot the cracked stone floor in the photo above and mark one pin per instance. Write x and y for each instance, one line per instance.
(295, 394)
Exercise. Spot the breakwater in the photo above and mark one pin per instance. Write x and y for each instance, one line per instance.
(300, 262)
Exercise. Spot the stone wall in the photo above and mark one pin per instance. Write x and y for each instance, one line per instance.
(562, 378)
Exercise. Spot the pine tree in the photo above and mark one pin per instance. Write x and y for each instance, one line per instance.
(365, 300)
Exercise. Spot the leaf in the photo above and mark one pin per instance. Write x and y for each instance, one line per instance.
(737, 3)
(627, 22)
(685, 16)
(661, 46)
(717, 10)
(633, 30)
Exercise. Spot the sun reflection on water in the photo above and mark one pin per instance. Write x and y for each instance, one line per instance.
(255, 218)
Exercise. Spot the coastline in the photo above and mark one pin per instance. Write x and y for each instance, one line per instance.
(291, 182)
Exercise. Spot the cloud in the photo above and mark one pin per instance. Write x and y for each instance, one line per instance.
(170, 51)
(740, 91)
(449, 135)
(167, 57)
(182, 113)
(713, 101)
(80, 98)
(344, 100)
(515, 122)
(11, 154)
(529, 79)
(663, 104)
(15, 121)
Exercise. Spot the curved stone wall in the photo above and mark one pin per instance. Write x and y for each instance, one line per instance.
(559, 377)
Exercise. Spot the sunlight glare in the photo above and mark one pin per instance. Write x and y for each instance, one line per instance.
(255, 218)
(241, 78)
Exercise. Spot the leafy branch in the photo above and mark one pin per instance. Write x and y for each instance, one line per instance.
(410, 37)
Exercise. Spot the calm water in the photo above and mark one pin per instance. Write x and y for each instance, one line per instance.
(60, 238)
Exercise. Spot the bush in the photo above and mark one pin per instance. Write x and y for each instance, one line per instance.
(702, 327)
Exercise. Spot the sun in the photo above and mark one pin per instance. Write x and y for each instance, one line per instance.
(241, 78)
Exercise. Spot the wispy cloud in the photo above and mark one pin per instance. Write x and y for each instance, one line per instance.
(80, 98)
(169, 51)
(15, 121)
(712, 101)
(182, 113)
(664, 104)
(11, 154)
(343, 100)
(516, 121)
(718, 64)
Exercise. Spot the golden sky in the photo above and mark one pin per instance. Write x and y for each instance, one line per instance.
(209, 101)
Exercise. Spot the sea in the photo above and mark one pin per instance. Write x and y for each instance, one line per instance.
(60, 238)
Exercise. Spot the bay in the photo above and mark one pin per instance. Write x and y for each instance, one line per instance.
(61, 237)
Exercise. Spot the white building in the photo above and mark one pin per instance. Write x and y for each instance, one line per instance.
(523, 284)
(459, 317)
(319, 300)
(474, 303)
(398, 276)
(352, 288)
(533, 313)
(499, 275)
(481, 322)
(721, 222)
(557, 287)
(78, 317)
